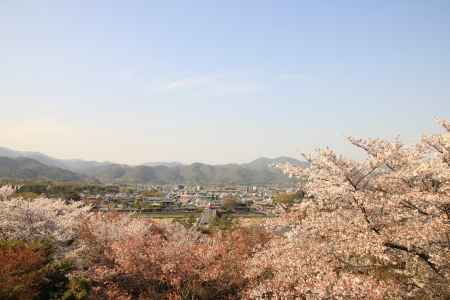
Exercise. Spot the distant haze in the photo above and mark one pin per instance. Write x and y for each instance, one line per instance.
(219, 81)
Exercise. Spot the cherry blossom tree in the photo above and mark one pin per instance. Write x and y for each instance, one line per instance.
(377, 228)
(134, 257)
(41, 218)
(6, 191)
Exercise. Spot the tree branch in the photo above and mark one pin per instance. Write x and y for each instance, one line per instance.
(422, 255)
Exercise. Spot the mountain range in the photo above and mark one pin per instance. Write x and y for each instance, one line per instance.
(23, 168)
(34, 165)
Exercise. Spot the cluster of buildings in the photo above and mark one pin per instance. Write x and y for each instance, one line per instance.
(167, 198)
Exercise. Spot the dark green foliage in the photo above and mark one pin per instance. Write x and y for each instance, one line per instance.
(78, 288)
(55, 281)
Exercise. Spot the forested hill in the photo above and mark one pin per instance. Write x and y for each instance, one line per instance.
(29, 169)
(31, 165)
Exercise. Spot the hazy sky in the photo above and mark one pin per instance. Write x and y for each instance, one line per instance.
(218, 81)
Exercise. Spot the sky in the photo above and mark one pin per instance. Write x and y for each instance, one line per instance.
(219, 81)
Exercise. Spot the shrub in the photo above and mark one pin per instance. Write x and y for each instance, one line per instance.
(22, 270)
(78, 288)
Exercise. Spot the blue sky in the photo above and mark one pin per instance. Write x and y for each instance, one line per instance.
(218, 81)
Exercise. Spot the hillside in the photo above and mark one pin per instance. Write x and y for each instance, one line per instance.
(29, 169)
(40, 165)
(74, 165)
(256, 172)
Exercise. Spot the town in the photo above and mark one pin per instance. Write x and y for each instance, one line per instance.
(168, 201)
(241, 200)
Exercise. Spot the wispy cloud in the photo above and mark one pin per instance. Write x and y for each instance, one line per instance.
(236, 83)
(210, 84)
(189, 83)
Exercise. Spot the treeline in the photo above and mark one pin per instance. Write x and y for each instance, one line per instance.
(61, 190)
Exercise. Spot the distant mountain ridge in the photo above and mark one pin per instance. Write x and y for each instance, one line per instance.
(258, 171)
(163, 163)
(74, 165)
(30, 169)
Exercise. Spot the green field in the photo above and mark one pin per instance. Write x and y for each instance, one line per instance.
(196, 214)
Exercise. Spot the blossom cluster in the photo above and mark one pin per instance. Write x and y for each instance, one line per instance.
(371, 229)
(41, 218)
